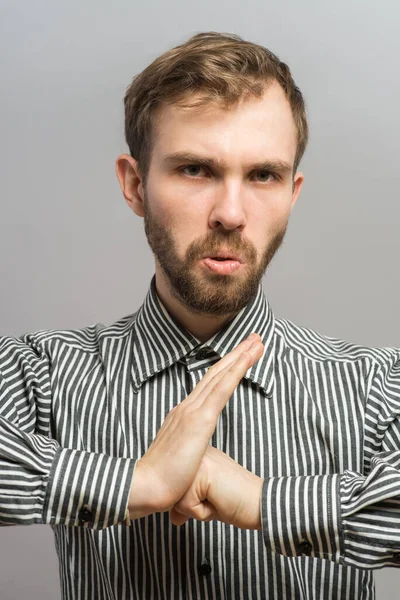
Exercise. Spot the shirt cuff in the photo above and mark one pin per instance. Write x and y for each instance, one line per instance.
(301, 516)
(88, 489)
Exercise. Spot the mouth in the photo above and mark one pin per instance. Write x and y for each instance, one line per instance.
(222, 263)
(224, 256)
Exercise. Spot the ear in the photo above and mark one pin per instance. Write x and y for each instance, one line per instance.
(297, 185)
(130, 180)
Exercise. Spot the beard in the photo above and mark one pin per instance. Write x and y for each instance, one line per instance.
(203, 292)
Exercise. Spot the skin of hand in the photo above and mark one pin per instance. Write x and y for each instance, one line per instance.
(222, 490)
(166, 471)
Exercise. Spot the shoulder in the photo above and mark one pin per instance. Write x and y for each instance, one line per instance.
(88, 339)
(314, 345)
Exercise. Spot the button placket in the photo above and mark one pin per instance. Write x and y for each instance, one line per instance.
(305, 548)
(205, 568)
(85, 515)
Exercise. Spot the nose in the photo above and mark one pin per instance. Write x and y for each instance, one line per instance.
(228, 208)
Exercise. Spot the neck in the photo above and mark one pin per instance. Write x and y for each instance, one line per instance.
(202, 327)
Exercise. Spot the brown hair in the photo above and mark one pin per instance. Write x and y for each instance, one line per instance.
(224, 68)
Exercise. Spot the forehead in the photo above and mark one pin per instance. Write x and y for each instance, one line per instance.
(252, 128)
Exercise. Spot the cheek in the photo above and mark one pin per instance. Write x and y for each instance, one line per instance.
(187, 231)
(278, 212)
(185, 225)
(262, 229)
(170, 205)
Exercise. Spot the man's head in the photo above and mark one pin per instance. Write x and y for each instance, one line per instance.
(216, 128)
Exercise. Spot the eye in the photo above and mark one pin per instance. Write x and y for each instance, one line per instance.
(266, 176)
(192, 171)
(191, 168)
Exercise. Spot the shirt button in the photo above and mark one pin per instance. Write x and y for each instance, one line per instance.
(305, 548)
(205, 568)
(85, 515)
(396, 557)
(202, 354)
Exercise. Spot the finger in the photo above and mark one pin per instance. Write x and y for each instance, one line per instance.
(177, 518)
(223, 388)
(242, 363)
(195, 401)
(222, 365)
(185, 509)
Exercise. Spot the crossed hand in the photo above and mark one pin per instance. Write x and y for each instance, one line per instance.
(182, 473)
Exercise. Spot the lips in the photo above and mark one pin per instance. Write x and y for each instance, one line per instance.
(222, 263)
(224, 255)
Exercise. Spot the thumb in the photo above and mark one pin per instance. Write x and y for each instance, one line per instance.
(177, 518)
(184, 510)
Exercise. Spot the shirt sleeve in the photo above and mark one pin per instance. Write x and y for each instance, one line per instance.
(350, 518)
(40, 481)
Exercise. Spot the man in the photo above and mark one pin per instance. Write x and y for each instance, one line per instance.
(174, 454)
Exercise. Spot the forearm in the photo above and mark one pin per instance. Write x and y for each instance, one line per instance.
(347, 518)
(301, 516)
(141, 494)
(43, 483)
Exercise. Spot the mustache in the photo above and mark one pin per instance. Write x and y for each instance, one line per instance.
(221, 242)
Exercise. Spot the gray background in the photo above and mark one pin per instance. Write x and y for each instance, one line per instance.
(71, 252)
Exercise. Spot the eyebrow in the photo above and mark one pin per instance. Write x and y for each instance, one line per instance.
(189, 157)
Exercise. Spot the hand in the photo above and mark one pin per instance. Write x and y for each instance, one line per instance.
(222, 490)
(165, 472)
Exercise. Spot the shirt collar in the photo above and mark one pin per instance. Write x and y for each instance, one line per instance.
(159, 341)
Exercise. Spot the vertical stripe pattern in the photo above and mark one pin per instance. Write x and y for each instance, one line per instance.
(316, 417)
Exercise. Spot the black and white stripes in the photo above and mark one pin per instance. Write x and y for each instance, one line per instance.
(316, 417)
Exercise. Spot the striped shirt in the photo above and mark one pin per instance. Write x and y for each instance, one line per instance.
(316, 417)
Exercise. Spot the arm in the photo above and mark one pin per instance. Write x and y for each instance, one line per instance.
(350, 518)
(40, 481)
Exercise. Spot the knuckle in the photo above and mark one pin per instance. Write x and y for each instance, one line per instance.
(200, 419)
(243, 361)
(224, 386)
(184, 505)
(208, 416)
(179, 410)
(220, 387)
(191, 421)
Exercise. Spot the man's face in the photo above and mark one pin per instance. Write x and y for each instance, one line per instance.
(192, 211)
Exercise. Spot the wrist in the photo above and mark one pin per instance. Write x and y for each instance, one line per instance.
(139, 502)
